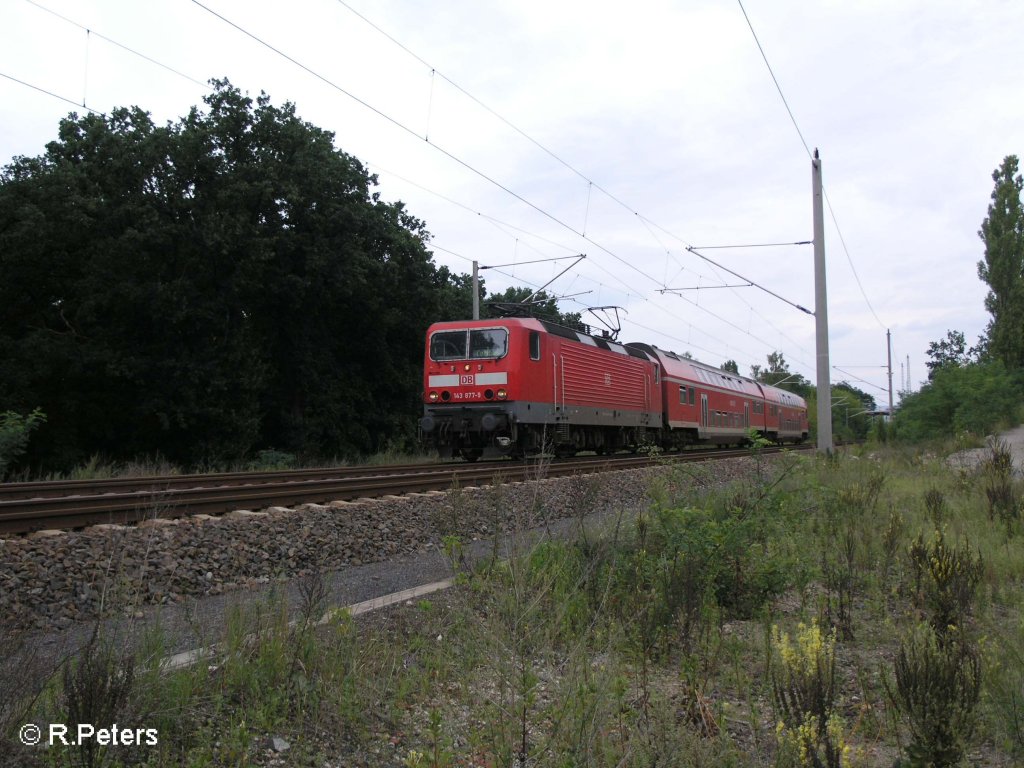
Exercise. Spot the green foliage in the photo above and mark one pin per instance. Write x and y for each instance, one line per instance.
(1003, 266)
(951, 351)
(851, 407)
(936, 691)
(205, 288)
(726, 550)
(974, 398)
(270, 459)
(15, 431)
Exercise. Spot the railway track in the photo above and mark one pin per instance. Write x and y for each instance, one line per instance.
(26, 507)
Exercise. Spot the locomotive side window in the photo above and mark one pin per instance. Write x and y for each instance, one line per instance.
(691, 395)
(682, 395)
(448, 345)
(535, 345)
(491, 342)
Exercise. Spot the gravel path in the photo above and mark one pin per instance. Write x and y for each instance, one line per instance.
(1014, 438)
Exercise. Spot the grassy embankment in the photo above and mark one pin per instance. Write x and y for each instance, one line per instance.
(855, 611)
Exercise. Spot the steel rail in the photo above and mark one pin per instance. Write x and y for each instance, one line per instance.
(75, 511)
(38, 489)
(94, 487)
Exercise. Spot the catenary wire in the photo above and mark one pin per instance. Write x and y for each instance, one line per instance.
(119, 45)
(442, 150)
(807, 149)
(49, 93)
(858, 378)
(590, 182)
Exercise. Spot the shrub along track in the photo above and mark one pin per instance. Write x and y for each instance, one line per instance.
(26, 507)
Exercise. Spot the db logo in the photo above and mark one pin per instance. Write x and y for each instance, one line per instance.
(607, 379)
(466, 378)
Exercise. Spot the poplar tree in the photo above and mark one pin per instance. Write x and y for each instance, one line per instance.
(1003, 266)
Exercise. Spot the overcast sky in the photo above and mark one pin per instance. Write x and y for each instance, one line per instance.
(647, 128)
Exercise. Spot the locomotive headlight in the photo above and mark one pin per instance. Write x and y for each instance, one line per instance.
(466, 367)
(502, 393)
(433, 397)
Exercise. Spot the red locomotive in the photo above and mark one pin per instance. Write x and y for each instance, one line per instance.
(519, 386)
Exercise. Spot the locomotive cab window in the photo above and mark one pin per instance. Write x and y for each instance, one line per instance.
(476, 344)
(535, 345)
(682, 395)
(491, 342)
(448, 345)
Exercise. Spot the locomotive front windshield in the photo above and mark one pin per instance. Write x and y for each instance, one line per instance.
(469, 344)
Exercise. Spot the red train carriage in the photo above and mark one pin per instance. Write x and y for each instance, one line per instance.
(514, 386)
(705, 404)
(785, 416)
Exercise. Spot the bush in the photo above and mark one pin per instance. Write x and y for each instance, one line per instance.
(938, 684)
(945, 579)
(15, 431)
(972, 398)
(803, 677)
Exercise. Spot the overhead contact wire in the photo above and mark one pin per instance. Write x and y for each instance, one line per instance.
(807, 149)
(411, 132)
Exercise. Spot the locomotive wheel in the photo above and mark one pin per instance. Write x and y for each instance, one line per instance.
(471, 455)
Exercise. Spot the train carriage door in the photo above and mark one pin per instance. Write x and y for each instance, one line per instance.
(703, 410)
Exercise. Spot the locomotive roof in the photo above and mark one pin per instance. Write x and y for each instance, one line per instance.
(681, 367)
(536, 324)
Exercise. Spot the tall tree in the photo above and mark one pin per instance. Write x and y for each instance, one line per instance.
(951, 351)
(731, 366)
(1003, 266)
(226, 282)
(777, 373)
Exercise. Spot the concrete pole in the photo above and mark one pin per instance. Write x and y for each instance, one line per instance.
(821, 314)
(888, 346)
(476, 291)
